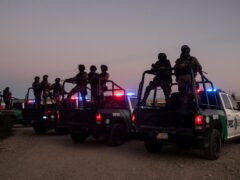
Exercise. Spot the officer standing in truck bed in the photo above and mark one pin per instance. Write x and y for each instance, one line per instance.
(162, 69)
(184, 67)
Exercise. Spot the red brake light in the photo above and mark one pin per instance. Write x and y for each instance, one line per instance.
(133, 118)
(198, 90)
(58, 115)
(74, 98)
(199, 120)
(98, 117)
(119, 94)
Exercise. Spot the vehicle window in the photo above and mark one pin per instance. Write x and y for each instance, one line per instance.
(234, 104)
(211, 97)
(114, 102)
(134, 102)
(226, 101)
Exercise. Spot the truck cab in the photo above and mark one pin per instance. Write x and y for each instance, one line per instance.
(212, 117)
(109, 117)
(232, 111)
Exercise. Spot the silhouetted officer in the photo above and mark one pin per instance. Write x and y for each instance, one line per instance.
(7, 98)
(163, 78)
(185, 66)
(103, 76)
(37, 91)
(93, 78)
(46, 87)
(57, 88)
(81, 80)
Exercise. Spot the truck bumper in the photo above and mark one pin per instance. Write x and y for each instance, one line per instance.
(174, 135)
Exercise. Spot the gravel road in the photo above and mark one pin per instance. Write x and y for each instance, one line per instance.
(27, 156)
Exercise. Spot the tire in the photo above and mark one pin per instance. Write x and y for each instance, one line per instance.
(152, 146)
(8, 122)
(39, 129)
(212, 152)
(6, 125)
(79, 138)
(117, 135)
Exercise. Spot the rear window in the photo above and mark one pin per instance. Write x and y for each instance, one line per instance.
(114, 102)
(134, 102)
(212, 98)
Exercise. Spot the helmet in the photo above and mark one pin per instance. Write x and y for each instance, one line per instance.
(57, 80)
(36, 78)
(93, 68)
(162, 56)
(185, 49)
(81, 67)
(45, 76)
(104, 68)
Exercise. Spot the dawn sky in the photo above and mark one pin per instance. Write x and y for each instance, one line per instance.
(53, 36)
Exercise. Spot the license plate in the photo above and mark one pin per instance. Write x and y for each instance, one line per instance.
(162, 136)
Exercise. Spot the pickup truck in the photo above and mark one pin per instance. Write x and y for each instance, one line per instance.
(212, 118)
(7, 119)
(109, 118)
(43, 118)
(16, 110)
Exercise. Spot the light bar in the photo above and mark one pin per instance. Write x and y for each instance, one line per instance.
(130, 94)
(211, 90)
(31, 101)
(78, 98)
(119, 94)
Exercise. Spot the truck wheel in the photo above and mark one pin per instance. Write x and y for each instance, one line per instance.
(6, 125)
(117, 135)
(39, 129)
(79, 138)
(151, 146)
(212, 152)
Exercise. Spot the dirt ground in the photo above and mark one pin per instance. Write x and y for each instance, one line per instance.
(27, 156)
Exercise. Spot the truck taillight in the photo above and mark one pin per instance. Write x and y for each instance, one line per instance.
(98, 118)
(198, 120)
(133, 118)
(58, 116)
